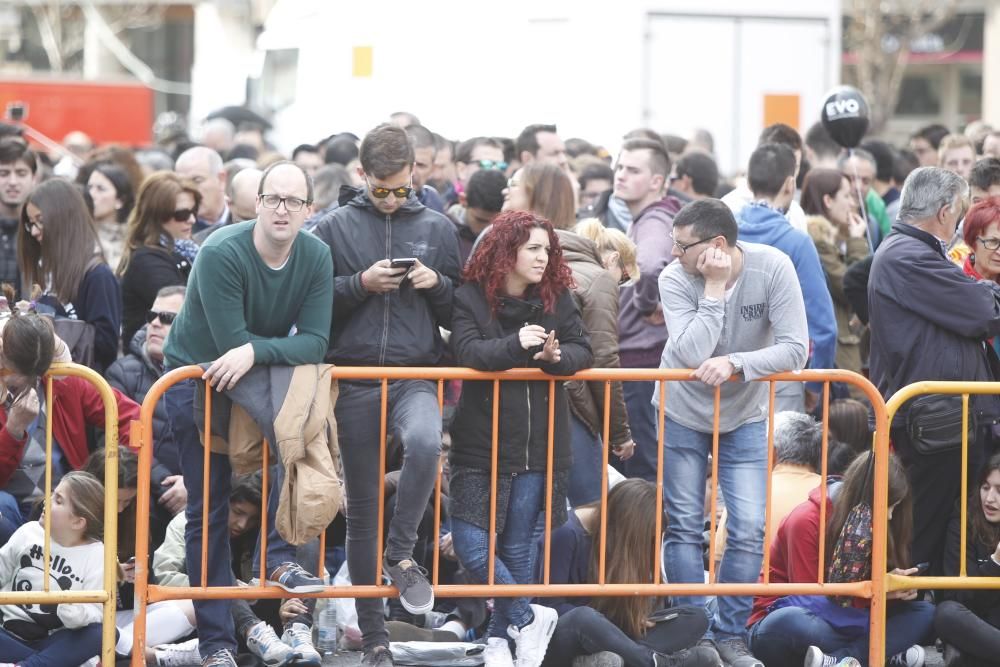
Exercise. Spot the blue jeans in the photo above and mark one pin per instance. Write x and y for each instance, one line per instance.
(61, 648)
(214, 617)
(743, 480)
(10, 516)
(782, 637)
(514, 548)
(588, 461)
(642, 420)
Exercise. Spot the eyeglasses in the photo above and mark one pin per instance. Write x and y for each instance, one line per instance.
(989, 244)
(166, 318)
(184, 214)
(380, 192)
(499, 165)
(292, 204)
(683, 247)
(29, 225)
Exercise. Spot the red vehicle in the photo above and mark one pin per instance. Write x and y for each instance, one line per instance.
(120, 113)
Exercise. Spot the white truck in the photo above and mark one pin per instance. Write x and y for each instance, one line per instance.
(596, 69)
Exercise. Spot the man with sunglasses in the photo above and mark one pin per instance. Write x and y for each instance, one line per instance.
(387, 315)
(471, 156)
(252, 283)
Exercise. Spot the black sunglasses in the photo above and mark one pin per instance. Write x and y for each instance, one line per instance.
(184, 214)
(165, 317)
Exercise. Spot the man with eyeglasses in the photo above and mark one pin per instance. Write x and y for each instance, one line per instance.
(251, 284)
(388, 313)
(731, 308)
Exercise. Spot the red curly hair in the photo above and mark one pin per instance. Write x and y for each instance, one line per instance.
(496, 255)
(979, 218)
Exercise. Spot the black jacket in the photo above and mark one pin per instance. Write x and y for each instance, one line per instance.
(134, 375)
(978, 563)
(149, 270)
(928, 319)
(486, 342)
(397, 328)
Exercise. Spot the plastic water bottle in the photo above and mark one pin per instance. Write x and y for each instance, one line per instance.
(326, 624)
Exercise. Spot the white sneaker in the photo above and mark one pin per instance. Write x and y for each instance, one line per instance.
(264, 643)
(911, 657)
(184, 654)
(497, 653)
(299, 637)
(816, 658)
(531, 641)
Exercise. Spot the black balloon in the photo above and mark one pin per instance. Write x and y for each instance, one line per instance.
(845, 116)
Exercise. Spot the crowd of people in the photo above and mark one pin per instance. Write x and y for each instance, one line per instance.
(402, 248)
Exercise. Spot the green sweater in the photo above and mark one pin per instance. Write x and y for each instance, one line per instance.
(234, 298)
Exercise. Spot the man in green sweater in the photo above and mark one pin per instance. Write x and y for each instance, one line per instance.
(253, 282)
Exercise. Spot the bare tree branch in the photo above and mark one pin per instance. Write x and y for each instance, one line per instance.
(59, 24)
(881, 33)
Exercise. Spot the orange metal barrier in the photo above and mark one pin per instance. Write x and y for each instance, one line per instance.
(871, 589)
(107, 595)
(962, 581)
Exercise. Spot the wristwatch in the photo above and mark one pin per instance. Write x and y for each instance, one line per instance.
(737, 365)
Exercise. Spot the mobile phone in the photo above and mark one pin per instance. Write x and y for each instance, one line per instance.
(922, 568)
(663, 616)
(402, 262)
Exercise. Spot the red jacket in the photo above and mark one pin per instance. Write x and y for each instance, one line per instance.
(76, 404)
(795, 551)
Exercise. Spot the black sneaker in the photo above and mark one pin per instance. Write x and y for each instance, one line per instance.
(415, 592)
(380, 656)
(294, 579)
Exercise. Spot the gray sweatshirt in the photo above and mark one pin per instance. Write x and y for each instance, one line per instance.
(762, 324)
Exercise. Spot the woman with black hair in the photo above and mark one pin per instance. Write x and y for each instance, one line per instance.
(968, 621)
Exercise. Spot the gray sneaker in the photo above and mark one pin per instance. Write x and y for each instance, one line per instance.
(697, 656)
(734, 652)
(602, 659)
(379, 656)
(221, 658)
(415, 592)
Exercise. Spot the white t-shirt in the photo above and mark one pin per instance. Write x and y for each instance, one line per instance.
(79, 568)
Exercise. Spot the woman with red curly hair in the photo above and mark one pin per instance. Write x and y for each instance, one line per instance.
(981, 232)
(515, 310)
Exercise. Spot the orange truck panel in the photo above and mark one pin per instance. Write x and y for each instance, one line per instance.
(108, 112)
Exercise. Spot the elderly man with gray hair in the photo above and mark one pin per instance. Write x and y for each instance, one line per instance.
(928, 322)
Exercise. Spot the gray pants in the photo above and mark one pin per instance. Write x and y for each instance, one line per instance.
(414, 419)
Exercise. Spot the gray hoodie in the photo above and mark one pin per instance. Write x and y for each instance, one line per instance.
(762, 323)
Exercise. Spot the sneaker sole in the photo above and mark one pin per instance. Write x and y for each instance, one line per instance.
(306, 662)
(814, 657)
(311, 588)
(423, 609)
